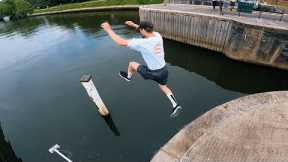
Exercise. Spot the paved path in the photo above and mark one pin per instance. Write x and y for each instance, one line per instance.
(249, 129)
(91, 9)
(267, 19)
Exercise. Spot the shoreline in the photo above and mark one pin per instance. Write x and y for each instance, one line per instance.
(89, 9)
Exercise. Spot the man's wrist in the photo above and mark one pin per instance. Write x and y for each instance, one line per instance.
(133, 25)
(136, 26)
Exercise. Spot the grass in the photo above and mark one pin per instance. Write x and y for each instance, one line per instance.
(278, 3)
(96, 3)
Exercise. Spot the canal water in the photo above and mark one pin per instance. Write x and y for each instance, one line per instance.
(43, 103)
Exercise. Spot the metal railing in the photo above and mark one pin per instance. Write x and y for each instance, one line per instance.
(262, 9)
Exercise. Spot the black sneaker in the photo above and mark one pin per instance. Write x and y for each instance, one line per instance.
(176, 111)
(124, 75)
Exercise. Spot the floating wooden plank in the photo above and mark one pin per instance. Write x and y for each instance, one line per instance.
(87, 82)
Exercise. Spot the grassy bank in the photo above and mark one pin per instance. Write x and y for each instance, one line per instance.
(96, 3)
(278, 3)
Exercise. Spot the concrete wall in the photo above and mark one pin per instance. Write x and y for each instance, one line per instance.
(236, 39)
(258, 44)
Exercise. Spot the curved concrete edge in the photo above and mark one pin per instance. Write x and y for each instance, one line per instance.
(176, 148)
(89, 9)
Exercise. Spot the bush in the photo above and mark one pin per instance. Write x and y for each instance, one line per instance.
(22, 8)
(5, 9)
(15, 8)
(149, 1)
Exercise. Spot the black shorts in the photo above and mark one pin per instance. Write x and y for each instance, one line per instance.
(159, 75)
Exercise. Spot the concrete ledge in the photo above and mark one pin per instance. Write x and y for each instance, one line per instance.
(199, 10)
(251, 128)
(104, 8)
(248, 39)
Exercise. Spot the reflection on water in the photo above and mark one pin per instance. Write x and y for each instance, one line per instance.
(229, 74)
(37, 34)
(7, 153)
(110, 123)
(88, 22)
(23, 28)
(42, 59)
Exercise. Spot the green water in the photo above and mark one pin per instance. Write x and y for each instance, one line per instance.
(42, 102)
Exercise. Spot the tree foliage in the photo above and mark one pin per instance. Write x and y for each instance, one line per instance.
(46, 3)
(15, 8)
(149, 1)
(5, 9)
(22, 8)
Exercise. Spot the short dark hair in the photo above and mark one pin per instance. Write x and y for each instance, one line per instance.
(146, 25)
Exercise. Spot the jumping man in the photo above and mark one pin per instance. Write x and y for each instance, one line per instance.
(152, 51)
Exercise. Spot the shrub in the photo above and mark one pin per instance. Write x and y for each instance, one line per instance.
(15, 8)
(22, 8)
(5, 9)
(149, 1)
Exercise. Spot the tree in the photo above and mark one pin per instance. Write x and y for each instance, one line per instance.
(15, 8)
(22, 8)
(39, 3)
(6, 9)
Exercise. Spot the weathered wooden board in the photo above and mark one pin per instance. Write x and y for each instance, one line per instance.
(87, 82)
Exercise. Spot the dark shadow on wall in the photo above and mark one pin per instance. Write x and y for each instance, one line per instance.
(7, 153)
(229, 74)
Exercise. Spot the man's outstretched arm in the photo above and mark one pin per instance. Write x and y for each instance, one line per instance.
(115, 37)
(132, 24)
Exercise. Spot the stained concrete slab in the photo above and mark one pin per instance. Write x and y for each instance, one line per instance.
(253, 128)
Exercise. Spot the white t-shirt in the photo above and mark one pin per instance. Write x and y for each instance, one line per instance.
(151, 50)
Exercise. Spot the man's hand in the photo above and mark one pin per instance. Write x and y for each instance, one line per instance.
(115, 37)
(131, 24)
(106, 26)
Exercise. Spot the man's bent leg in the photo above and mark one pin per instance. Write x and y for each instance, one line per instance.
(132, 68)
(169, 94)
(165, 89)
(176, 107)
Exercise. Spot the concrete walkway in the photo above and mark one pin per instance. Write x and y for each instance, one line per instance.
(267, 19)
(249, 129)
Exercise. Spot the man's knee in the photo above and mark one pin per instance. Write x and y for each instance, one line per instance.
(163, 87)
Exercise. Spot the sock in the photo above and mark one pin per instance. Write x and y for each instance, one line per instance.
(172, 100)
